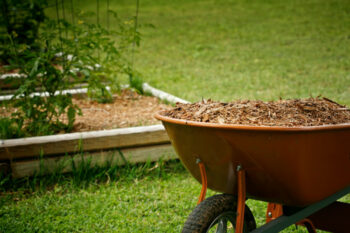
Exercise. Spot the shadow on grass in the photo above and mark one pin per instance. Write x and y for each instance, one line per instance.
(85, 174)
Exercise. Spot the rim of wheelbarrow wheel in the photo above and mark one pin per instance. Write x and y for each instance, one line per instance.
(229, 216)
(250, 127)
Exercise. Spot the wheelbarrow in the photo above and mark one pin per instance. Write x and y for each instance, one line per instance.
(300, 171)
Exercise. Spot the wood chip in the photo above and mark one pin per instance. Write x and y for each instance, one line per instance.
(291, 113)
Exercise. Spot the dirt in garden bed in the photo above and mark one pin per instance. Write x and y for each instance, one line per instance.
(128, 109)
(291, 113)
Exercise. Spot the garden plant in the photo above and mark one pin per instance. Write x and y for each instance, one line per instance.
(54, 54)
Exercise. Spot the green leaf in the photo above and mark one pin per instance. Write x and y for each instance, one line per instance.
(35, 67)
(71, 116)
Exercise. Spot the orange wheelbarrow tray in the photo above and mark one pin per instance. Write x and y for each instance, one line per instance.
(295, 167)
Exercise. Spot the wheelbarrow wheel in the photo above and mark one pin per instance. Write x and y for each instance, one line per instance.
(217, 214)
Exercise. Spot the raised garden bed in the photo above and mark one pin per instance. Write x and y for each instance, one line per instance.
(132, 144)
(128, 109)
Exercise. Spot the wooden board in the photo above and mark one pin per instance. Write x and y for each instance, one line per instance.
(137, 144)
(11, 149)
(74, 92)
(64, 163)
(162, 95)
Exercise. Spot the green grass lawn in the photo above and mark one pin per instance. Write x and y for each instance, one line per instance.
(233, 49)
(229, 50)
(219, 49)
(149, 204)
(151, 198)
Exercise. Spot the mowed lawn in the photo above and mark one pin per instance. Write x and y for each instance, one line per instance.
(158, 201)
(149, 204)
(233, 49)
(228, 50)
(222, 50)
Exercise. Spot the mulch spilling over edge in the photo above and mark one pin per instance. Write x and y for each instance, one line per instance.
(289, 113)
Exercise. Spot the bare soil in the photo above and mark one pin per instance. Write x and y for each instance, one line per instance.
(291, 113)
(128, 109)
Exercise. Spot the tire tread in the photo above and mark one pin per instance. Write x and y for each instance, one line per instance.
(206, 212)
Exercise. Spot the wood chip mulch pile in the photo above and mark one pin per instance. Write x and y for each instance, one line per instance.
(291, 113)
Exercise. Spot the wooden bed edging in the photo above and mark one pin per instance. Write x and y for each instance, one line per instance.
(138, 144)
(64, 163)
(162, 95)
(77, 91)
(11, 149)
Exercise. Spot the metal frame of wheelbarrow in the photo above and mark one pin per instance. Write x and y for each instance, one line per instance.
(327, 214)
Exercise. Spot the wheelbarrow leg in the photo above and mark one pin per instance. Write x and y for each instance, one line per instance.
(204, 181)
(273, 211)
(238, 205)
(241, 190)
(292, 215)
(308, 224)
(276, 210)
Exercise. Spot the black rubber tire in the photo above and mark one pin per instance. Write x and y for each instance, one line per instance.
(207, 211)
